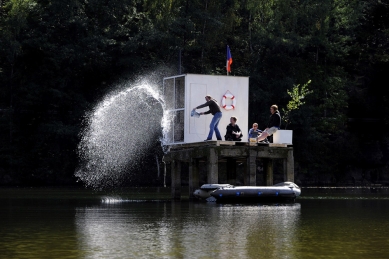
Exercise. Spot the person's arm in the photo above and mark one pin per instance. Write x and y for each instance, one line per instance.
(248, 136)
(278, 120)
(274, 121)
(207, 112)
(238, 132)
(202, 106)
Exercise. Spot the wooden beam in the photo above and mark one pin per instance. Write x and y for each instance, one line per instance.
(277, 145)
(274, 153)
(233, 151)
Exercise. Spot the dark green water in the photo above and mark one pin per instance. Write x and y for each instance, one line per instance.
(143, 223)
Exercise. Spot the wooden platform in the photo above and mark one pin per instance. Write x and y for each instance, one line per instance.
(218, 143)
(213, 152)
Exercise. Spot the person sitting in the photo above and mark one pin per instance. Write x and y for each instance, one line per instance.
(254, 132)
(233, 132)
(273, 125)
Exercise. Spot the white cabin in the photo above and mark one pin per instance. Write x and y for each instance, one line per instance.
(182, 93)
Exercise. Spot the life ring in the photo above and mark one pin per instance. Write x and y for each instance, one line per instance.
(228, 107)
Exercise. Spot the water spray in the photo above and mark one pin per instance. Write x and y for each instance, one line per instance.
(118, 132)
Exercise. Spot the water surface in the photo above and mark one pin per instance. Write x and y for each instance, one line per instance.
(144, 223)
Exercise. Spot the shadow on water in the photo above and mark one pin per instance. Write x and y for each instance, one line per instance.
(361, 192)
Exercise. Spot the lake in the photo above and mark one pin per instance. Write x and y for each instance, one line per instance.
(144, 223)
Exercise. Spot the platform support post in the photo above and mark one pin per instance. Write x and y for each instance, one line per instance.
(246, 172)
(289, 167)
(212, 166)
(176, 179)
(269, 171)
(193, 177)
(252, 168)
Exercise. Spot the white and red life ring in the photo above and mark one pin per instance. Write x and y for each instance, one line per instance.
(229, 96)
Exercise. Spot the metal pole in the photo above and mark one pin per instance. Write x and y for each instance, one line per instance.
(179, 62)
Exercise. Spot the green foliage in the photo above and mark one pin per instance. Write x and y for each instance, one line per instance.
(297, 95)
(58, 57)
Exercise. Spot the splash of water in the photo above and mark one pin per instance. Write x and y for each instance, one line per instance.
(118, 132)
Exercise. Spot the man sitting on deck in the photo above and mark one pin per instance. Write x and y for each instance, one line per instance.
(233, 132)
(273, 125)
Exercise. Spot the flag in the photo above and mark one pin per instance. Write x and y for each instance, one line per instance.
(229, 59)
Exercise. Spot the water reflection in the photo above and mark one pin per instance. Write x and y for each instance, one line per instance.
(187, 230)
(49, 223)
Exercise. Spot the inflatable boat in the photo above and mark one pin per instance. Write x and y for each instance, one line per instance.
(206, 189)
(226, 193)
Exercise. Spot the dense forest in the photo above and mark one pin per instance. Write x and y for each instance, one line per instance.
(57, 58)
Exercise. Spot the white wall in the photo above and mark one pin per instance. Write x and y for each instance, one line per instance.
(197, 87)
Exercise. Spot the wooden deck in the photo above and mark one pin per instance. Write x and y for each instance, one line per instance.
(218, 143)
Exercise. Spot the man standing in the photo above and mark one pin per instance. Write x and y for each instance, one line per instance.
(214, 109)
(233, 132)
(273, 125)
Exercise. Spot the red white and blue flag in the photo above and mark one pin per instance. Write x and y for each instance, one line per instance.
(229, 59)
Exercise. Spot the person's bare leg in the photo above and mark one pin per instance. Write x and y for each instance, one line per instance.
(263, 136)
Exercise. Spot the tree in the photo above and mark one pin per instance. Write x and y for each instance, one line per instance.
(297, 94)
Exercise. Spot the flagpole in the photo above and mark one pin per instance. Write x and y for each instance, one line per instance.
(227, 61)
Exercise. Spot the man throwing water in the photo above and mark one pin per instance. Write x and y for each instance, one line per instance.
(214, 109)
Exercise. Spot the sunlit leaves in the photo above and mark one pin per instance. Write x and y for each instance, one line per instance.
(297, 95)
